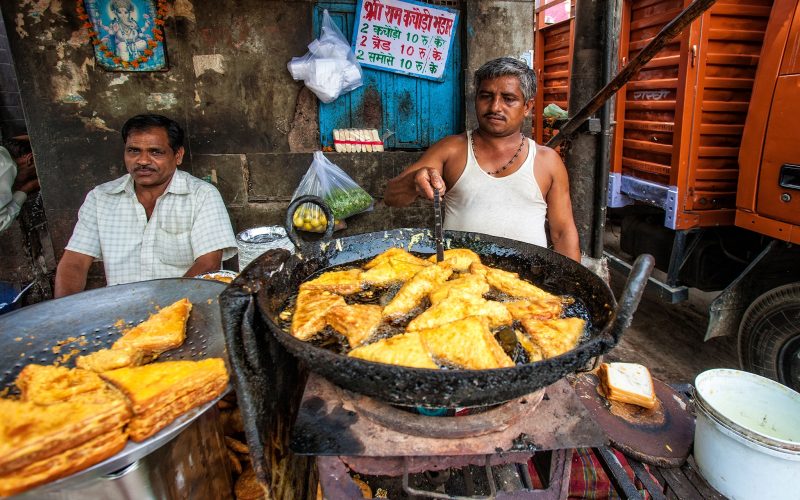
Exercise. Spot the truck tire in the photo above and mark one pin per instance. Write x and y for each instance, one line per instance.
(769, 336)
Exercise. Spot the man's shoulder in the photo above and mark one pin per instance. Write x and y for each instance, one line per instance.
(186, 182)
(548, 157)
(111, 187)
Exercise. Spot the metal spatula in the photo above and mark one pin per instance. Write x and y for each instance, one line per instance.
(437, 225)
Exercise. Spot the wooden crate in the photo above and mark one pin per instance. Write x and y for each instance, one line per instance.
(679, 122)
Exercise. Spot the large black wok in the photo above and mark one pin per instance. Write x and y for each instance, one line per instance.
(451, 388)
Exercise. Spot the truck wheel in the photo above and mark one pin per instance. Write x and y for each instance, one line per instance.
(769, 336)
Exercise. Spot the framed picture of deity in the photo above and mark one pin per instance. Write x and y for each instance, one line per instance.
(127, 35)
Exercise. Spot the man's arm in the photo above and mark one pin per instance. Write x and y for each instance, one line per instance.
(563, 233)
(71, 273)
(420, 178)
(206, 263)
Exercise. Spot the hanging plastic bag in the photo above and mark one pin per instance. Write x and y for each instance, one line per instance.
(329, 69)
(336, 188)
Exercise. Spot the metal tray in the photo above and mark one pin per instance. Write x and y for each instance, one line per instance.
(62, 329)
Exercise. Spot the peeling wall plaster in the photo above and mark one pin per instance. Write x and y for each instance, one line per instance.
(161, 101)
(95, 123)
(185, 9)
(208, 62)
(71, 81)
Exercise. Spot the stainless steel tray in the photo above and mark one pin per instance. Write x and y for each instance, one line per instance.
(62, 329)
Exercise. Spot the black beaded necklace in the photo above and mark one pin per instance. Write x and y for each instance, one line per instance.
(508, 164)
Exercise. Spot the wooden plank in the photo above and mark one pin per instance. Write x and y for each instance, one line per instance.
(732, 59)
(725, 107)
(556, 74)
(663, 61)
(557, 60)
(650, 126)
(735, 35)
(653, 147)
(660, 83)
(646, 166)
(721, 129)
(651, 105)
(654, 20)
(705, 489)
(680, 484)
(717, 152)
(728, 83)
(740, 10)
(640, 44)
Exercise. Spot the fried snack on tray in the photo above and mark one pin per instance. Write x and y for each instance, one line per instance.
(159, 392)
(357, 322)
(459, 259)
(405, 349)
(340, 282)
(392, 266)
(553, 337)
(39, 444)
(162, 331)
(459, 306)
(47, 385)
(466, 343)
(310, 310)
(414, 290)
(110, 359)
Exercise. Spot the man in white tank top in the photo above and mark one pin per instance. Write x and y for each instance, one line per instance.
(494, 180)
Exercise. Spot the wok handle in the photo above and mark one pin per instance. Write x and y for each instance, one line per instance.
(294, 205)
(631, 295)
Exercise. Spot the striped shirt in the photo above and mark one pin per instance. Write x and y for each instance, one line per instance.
(189, 220)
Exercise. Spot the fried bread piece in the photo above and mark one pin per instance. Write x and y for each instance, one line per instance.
(357, 322)
(459, 259)
(534, 353)
(110, 359)
(392, 266)
(466, 343)
(467, 284)
(458, 306)
(156, 385)
(162, 331)
(511, 284)
(62, 464)
(46, 385)
(416, 289)
(554, 336)
(405, 349)
(30, 433)
(310, 311)
(539, 309)
(345, 282)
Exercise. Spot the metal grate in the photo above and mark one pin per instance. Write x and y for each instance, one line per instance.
(456, 4)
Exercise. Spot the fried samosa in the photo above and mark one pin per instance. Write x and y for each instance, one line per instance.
(357, 322)
(466, 343)
(405, 349)
(162, 331)
(554, 337)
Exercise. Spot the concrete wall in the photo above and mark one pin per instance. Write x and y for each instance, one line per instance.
(12, 118)
(227, 84)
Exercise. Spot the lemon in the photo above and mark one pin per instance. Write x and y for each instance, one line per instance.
(307, 226)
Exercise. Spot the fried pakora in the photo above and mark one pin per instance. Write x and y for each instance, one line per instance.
(357, 322)
(466, 343)
(405, 349)
(416, 289)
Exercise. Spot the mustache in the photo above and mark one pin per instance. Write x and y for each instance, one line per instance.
(144, 169)
(494, 115)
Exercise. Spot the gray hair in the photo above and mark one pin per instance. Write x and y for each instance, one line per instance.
(508, 66)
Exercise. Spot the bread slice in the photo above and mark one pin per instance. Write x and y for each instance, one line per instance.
(110, 359)
(63, 464)
(31, 433)
(156, 385)
(628, 383)
(466, 343)
(161, 332)
(405, 349)
(47, 385)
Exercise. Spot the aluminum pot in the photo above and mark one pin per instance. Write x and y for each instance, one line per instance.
(747, 437)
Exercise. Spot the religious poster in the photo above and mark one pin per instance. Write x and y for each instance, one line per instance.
(127, 35)
(404, 36)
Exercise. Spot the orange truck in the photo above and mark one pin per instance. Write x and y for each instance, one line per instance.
(705, 162)
(705, 168)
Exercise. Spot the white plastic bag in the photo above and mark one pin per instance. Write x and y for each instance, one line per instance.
(329, 69)
(336, 188)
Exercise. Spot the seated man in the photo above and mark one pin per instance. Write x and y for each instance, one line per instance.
(154, 222)
(497, 181)
(17, 178)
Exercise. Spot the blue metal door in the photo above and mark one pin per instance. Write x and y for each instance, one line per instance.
(417, 112)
